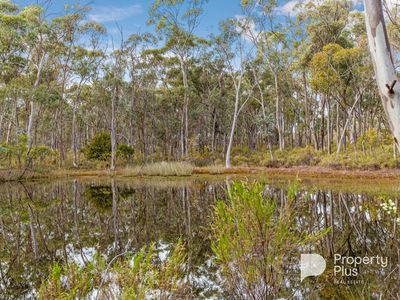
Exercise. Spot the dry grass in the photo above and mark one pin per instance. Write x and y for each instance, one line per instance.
(219, 169)
(176, 169)
(160, 169)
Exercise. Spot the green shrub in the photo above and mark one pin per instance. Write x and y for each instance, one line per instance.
(254, 237)
(131, 277)
(99, 148)
(381, 157)
(125, 151)
(203, 160)
(239, 160)
(43, 154)
(302, 156)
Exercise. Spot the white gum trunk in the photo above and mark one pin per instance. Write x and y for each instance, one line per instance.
(382, 59)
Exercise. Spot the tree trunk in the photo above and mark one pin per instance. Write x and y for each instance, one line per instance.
(329, 128)
(74, 144)
(185, 123)
(346, 125)
(9, 127)
(383, 64)
(1, 127)
(214, 123)
(113, 130)
(32, 103)
(233, 128)
(132, 120)
(278, 113)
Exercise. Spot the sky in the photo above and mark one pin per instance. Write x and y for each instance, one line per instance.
(132, 15)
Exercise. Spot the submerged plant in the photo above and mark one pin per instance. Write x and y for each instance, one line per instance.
(254, 236)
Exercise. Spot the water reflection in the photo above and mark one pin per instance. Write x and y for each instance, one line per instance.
(72, 220)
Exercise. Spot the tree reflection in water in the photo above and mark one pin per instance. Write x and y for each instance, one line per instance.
(72, 220)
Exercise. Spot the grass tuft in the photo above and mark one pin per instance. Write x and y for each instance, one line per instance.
(160, 169)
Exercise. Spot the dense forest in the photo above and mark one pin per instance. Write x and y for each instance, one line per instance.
(267, 84)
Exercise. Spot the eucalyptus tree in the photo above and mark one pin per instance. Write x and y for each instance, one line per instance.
(85, 67)
(176, 21)
(211, 86)
(38, 43)
(140, 64)
(382, 58)
(319, 24)
(65, 29)
(265, 31)
(336, 73)
(116, 82)
(12, 65)
(231, 47)
(12, 30)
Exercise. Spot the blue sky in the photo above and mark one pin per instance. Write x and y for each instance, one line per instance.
(132, 14)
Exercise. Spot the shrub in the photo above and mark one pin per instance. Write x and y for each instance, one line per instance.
(125, 151)
(302, 156)
(100, 147)
(240, 160)
(202, 160)
(141, 276)
(42, 152)
(253, 238)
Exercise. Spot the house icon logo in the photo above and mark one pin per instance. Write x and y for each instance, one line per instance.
(311, 265)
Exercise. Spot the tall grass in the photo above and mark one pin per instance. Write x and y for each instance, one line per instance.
(160, 169)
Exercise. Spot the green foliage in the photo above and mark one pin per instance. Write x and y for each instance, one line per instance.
(307, 156)
(41, 152)
(125, 151)
(148, 280)
(265, 125)
(139, 276)
(240, 160)
(100, 147)
(20, 155)
(253, 237)
(335, 67)
(70, 281)
(369, 140)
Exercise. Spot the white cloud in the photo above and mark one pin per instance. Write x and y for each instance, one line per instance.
(247, 28)
(288, 8)
(114, 14)
(291, 8)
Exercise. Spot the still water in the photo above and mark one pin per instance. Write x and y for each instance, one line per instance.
(71, 220)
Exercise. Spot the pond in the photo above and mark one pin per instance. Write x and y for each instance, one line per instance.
(71, 220)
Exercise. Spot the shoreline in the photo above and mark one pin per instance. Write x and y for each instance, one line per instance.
(304, 172)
